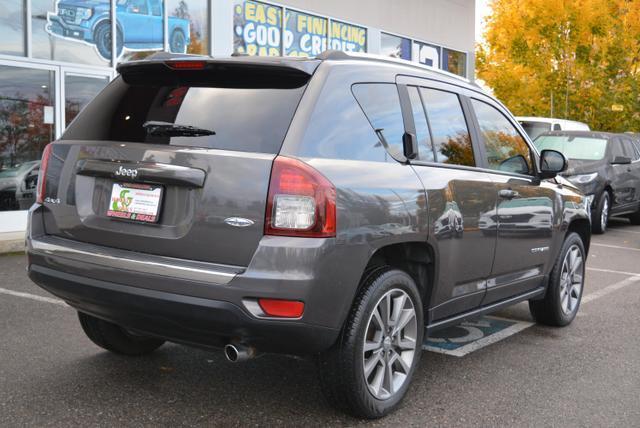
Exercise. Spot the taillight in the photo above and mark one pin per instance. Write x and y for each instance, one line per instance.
(42, 174)
(282, 308)
(302, 202)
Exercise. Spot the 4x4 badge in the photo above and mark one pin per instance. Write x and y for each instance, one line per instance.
(238, 222)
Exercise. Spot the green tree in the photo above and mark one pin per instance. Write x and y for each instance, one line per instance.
(579, 58)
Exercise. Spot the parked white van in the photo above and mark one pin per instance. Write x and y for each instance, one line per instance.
(535, 126)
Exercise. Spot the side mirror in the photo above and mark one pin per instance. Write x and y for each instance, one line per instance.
(552, 163)
(410, 145)
(621, 160)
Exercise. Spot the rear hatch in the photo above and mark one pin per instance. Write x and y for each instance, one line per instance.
(174, 157)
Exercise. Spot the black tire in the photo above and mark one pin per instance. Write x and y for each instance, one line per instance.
(178, 42)
(549, 310)
(599, 226)
(116, 339)
(635, 218)
(102, 40)
(341, 368)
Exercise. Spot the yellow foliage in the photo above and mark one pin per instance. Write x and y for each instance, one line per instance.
(583, 53)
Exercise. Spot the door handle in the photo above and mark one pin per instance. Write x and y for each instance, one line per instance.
(508, 194)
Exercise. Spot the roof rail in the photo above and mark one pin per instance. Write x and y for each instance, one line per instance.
(341, 55)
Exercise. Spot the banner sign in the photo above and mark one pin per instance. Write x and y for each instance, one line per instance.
(258, 31)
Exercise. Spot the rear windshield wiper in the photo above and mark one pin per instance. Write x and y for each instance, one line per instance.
(155, 127)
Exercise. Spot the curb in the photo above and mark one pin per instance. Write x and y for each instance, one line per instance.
(12, 242)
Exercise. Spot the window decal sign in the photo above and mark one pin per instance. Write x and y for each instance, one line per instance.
(258, 31)
(139, 25)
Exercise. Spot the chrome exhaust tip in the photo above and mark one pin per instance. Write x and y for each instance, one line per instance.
(236, 353)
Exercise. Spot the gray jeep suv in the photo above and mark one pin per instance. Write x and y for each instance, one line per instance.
(340, 207)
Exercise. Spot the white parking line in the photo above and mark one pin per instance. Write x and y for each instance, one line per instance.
(623, 231)
(610, 289)
(33, 297)
(618, 247)
(619, 272)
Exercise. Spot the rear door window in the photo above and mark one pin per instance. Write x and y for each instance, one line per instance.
(381, 104)
(448, 127)
(505, 148)
(239, 117)
(630, 149)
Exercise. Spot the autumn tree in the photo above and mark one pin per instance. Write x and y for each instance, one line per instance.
(574, 59)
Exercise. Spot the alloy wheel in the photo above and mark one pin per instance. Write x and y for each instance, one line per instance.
(390, 344)
(604, 215)
(571, 279)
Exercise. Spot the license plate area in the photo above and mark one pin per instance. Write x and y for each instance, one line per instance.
(135, 202)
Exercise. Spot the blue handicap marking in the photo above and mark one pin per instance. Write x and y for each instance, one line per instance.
(469, 336)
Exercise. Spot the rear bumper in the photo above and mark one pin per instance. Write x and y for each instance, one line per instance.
(179, 318)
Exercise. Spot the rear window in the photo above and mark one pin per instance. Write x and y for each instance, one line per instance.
(247, 119)
(534, 129)
(573, 147)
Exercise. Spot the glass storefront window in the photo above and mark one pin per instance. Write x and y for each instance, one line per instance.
(305, 35)
(27, 124)
(141, 28)
(427, 54)
(257, 28)
(188, 26)
(348, 37)
(72, 30)
(394, 46)
(454, 62)
(78, 91)
(12, 28)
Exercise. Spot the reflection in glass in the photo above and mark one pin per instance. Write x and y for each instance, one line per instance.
(74, 31)
(26, 126)
(381, 104)
(256, 28)
(78, 91)
(448, 127)
(425, 147)
(505, 147)
(394, 46)
(454, 62)
(305, 35)
(12, 28)
(196, 13)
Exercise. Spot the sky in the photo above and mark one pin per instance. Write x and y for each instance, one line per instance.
(482, 10)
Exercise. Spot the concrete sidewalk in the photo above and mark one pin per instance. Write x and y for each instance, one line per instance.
(11, 242)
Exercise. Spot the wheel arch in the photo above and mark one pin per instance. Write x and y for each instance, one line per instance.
(582, 227)
(416, 258)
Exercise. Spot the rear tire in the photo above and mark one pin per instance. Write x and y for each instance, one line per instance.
(566, 284)
(391, 354)
(600, 216)
(116, 339)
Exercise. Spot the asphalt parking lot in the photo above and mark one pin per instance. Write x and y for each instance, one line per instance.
(585, 374)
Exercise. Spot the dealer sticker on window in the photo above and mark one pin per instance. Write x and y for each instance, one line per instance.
(139, 202)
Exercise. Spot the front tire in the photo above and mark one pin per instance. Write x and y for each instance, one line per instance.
(102, 40)
(600, 217)
(116, 339)
(566, 284)
(369, 369)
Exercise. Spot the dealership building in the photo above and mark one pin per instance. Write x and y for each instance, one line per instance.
(55, 55)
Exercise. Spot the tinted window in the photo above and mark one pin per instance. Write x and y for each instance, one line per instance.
(244, 119)
(505, 148)
(448, 127)
(425, 148)
(617, 149)
(156, 9)
(381, 104)
(534, 129)
(573, 147)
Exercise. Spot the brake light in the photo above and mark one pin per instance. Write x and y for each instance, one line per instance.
(42, 174)
(282, 308)
(301, 202)
(186, 65)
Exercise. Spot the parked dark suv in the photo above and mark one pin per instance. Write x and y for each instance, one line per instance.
(606, 167)
(341, 207)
